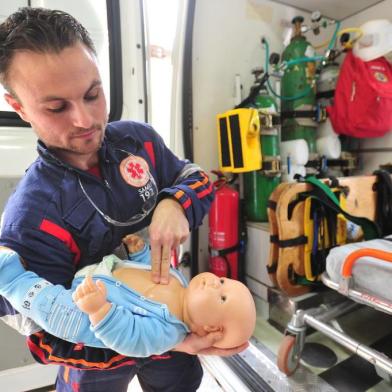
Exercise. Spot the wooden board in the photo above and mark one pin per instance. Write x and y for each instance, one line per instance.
(360, 201)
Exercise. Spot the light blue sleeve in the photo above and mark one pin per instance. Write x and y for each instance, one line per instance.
(142, 257)
(138, 335)
(50, 306)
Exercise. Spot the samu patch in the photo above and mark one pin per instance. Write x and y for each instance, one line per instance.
(381, 77)
(135, 171)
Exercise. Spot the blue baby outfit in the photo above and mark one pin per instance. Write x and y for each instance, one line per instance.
(135, 326)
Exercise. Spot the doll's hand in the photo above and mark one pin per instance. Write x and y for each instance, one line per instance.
(90, 298)
(196, 345)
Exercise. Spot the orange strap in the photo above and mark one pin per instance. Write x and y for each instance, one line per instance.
(354, 256)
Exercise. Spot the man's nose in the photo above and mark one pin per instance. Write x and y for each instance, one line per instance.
(81, 116)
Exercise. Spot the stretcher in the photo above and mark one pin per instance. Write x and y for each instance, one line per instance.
(361, 272)
(292, 234)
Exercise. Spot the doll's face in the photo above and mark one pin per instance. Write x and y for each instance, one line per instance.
(223, 304)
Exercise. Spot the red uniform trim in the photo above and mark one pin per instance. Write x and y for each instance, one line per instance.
(178, 195)
(157, 357)
(206, 192)
(200, 194)
(63, 235)
(95, 171)
(199, 184)
(149, 147)
(78, 346)
(187, 204)
(44, 352)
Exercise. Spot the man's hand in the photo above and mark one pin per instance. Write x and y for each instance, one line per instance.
(203, 345)
(168, 229)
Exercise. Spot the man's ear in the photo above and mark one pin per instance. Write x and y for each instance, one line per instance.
(16, 105)
(213, 328)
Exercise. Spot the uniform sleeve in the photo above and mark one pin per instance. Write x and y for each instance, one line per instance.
(183, 180)
(133, 333)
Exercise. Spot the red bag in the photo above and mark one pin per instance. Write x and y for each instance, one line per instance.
(362, 104)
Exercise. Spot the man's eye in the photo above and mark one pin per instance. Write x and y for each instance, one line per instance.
(223, 298)
(57, 110)
(91, 97)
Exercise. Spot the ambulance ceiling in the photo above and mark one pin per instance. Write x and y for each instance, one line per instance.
(335, 9)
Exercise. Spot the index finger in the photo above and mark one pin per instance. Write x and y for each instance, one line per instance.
(156, 251)
(165, 264)
(224, 352)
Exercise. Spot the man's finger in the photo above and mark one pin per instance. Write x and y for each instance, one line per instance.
(207, 341)
(165, 264)
(156, 262)
(223, 352)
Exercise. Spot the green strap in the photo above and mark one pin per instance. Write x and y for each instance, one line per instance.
(325, 195)
(325, 188)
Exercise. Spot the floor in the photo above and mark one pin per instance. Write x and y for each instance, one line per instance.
(334, 364)
(209, 384)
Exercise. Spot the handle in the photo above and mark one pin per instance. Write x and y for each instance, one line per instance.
(354, 256)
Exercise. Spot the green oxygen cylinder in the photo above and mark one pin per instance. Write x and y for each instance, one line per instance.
(258, 185)
(298, 81)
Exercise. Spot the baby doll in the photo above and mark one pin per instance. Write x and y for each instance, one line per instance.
(122, 309)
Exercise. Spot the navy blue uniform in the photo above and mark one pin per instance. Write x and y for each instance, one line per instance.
(54, 222)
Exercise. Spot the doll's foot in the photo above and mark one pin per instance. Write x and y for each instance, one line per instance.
(133, 242)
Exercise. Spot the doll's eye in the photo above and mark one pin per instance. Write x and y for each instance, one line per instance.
(223, 298)
(222, 281)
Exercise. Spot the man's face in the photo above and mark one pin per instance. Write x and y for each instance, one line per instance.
(61, 96)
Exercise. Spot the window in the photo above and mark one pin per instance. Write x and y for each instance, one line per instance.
(161, 26)
(97, 16)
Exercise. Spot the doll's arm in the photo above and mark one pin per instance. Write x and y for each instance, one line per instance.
(135, 332)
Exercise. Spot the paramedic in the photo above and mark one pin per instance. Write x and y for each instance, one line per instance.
(92, 184)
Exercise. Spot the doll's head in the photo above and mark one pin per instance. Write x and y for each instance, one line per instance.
(220, 304)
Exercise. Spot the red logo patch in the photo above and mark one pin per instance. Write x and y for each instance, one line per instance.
(135, 171)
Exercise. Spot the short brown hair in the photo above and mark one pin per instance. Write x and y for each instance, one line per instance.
(39, 30)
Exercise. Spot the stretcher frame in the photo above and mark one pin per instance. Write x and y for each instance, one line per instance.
(293, 342)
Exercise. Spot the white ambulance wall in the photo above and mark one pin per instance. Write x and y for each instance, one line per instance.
(226, 42)
(378, 150)
(17, 151)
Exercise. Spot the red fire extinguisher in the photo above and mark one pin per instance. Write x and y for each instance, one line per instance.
(223, 238)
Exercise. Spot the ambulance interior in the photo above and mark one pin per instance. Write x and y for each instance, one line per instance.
(241, 87)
